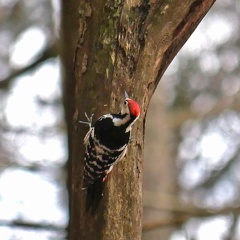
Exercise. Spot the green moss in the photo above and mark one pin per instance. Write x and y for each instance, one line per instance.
(108, 33)
(165, 9)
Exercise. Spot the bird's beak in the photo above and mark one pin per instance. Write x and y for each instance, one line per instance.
(126, 95)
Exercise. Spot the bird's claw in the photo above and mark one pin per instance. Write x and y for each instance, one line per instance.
(89, 120)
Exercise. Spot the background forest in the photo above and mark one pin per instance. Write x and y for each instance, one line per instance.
(192, 153)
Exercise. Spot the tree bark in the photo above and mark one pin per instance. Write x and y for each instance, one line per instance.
(69, 37)
(122, 45)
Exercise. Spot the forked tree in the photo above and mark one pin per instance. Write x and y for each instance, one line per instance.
(122, 46)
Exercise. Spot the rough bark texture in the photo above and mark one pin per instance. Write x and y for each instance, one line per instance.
(122, 45)
(69, 37)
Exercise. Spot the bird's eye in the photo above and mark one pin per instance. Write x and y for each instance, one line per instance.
(125, 102)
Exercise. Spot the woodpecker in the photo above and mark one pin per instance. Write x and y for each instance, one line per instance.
(106, 144)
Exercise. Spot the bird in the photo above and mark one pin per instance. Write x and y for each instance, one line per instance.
(106, 144)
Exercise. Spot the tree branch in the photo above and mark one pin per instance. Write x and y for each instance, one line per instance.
(50, 52)
(27, 225)
(215, 174)
(178, 117)
(182, 211)
(199, 213)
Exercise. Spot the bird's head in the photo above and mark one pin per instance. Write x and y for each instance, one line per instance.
(130, 107)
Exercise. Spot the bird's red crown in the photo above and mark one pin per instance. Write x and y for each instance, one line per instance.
(133, 108)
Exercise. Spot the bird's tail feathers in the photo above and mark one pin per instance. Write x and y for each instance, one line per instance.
(94, 194)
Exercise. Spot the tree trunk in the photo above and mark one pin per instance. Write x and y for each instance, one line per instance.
(122, 45)
(69, 36)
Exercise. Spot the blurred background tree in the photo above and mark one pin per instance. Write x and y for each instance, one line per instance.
(191, 180)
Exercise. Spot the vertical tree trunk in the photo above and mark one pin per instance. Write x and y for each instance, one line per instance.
(69, 36)
(122, 45)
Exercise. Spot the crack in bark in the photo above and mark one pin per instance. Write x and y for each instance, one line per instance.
(129, 43)
(151, 13)
(187, 19)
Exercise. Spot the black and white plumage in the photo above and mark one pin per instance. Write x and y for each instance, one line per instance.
(106, 144)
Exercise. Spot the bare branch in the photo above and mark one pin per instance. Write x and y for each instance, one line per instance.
(49, 52)
(216, 174)
(177, 118)
(200, 213)
(183, 212)
(27, 225)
